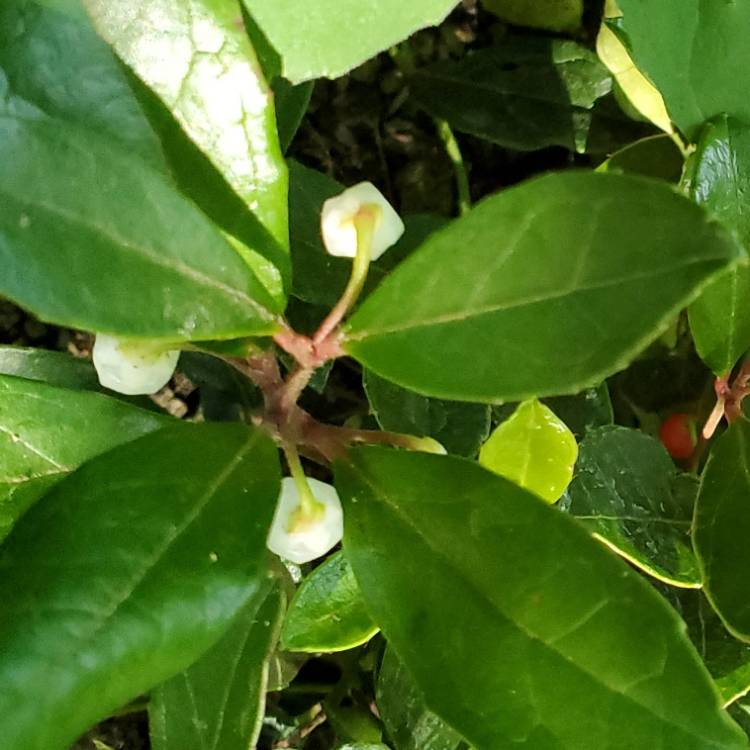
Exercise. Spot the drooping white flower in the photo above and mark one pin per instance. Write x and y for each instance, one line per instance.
(299, 536)
(132, 368)
(337, 221)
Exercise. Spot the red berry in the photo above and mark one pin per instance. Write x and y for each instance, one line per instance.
(677, 433)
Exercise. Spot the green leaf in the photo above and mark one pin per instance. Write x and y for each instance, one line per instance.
(696, 54)
(123, 253)
(53, 64)
(718, 176)
(460, 428)
(334, 36)
(408, 721)
(47, 432)
(327, 612)
(544, 289)
(54, 368)
(721, 528)
(142, 558)
(521, 628)
(583, 411)
(219, 701)
(526, 93)
(213, 85)
(727, 659)
(291, 105)
(656, 156)
(627, 491)
(320, 278)
(533, 449)
(551, 15)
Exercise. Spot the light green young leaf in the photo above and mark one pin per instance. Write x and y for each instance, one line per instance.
(627, 491)
(219, 701)
(327, 612)
(718, 177)
(124, 253)
(696, 54)
(721, 527)
(47, 432)
(331, 37)
(198, 59)
(533, 449)
(544, 289)
(142, 559)
(551, 15)
(518, 627)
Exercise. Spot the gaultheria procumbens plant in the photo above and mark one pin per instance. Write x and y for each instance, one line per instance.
(523, 426)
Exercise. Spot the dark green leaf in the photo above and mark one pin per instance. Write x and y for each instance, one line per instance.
(409, 723)
(460, 428)
(583, 411)
(517, 626)
(291, 105)
(46, 432)
(627, 491)
(718, 176)
(656, 156)
(331, 37)
(218, 702)
(552, 15)
(54, 368)
(726, 657)
(212, 84)
(544, 289)
(526, 93)
(53, 64)
(123, 253)
(696, 54)
(327, 612)
(721, 528)
(142, 558)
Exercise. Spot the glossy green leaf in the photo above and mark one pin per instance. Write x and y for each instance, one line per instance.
(696, 54)
(552, 15)
(46, 432)
(583, 411)
(721, 528)
(197, 58)
(517, 626)
(528, 92)
(460, 428)
(142, 558)
(320, 278)
(219, 701)
(657, 156)
(331, 37)
(52, 63)
(718, 176)
(327, 612)
(533, 449)
(55, 368)
(545, 289)
(627, 491)
(123, 253)
(726, 657)
(409, 723)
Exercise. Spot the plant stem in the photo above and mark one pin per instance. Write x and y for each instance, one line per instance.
(459, 167)
(307, 502)
(364, 222)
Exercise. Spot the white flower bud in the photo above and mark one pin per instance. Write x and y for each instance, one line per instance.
(132, 368)
(301, 538)
(337, 221)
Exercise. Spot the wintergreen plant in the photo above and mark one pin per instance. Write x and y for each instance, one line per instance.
(497, 415)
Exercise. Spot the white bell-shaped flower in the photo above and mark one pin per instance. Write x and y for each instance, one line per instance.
(301, 536)
(132, 368)
(338, 227)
